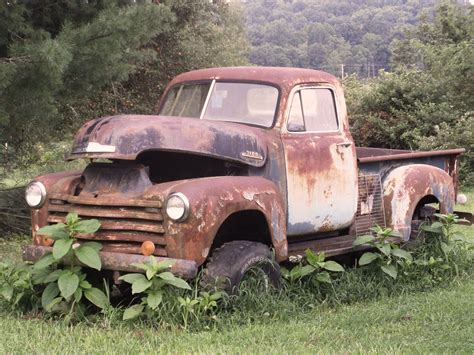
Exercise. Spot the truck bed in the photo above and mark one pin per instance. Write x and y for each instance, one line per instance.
(381, 161)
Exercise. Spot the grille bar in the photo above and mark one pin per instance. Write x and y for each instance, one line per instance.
(370, 208)
(117, 212)
(124, 225)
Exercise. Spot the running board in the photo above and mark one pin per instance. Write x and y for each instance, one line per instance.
(330, 246)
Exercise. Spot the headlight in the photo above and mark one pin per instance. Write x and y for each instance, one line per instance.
(35, 194)
(177, 207)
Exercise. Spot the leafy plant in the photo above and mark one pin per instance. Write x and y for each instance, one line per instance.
(16, 285)
(152, 283)
(444, 245)
(443, 232)
(389, 257)
(66, 285)
(316, 265)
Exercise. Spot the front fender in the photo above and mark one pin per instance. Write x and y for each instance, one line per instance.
(405, 186)
(212, 201)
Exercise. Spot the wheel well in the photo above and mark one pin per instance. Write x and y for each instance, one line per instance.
(422, 210)
(248, 225)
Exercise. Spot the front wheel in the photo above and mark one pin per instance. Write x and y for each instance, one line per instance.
(235, 261)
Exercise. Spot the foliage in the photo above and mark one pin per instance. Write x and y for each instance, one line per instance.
(153, 284)
(17, 287)
(390, 258)
(445, 247)
(316, 266)
(426, 103)
(67, 285)
(64, 62)
(324, 34)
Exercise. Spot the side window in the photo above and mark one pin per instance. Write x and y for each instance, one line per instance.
(318, 110)
(296, 121)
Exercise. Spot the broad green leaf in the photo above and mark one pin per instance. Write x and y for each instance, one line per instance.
(87, 226)
(306, 270)
(333, 266)
(68, 284)
(446, 248)
(150, 273)
(130, 278)
(385, 249)
(363, 239)
(173, 280)
(436, 225)
(89, 257)
(53, 303)
(85, 284)
(94, 245)
(390, 270)
(97, 297)
(60, 234)
(323, 277)
(154, 299)
(142, 266)
(45, 261)
(402, 254)
(7, 292)
(61, 247)
(162, 265)
(133, 311)
(49, 294)
(71, 218)
(367, 258)
(141, 284)
(50, 230)
(52, 276)
(313, 258)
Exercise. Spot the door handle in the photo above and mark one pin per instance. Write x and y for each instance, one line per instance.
(344, 144)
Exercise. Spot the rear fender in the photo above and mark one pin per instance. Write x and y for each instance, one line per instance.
(405, 186)
(212, 201)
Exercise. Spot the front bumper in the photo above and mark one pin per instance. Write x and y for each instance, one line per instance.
(119, 261)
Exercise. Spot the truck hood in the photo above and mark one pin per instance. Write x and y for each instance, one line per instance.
(126, 136)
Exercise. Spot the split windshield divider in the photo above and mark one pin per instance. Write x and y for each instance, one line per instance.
(208, 97)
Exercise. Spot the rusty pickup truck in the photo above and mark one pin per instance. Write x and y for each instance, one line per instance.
(241, 167)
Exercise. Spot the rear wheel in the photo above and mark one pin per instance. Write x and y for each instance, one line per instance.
(239, 262)
(423, 215)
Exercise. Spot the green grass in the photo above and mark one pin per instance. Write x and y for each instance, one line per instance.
(435, 322)
(439, 320)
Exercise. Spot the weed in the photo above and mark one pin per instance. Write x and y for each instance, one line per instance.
(152, 284)
(390, 258)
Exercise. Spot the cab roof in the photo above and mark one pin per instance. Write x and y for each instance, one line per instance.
(283, 77)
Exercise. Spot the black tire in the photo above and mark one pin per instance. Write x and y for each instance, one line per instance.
(230, 263)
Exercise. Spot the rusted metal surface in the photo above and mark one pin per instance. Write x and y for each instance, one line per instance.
(131, 135)
(410, 155)
(406, 186)
(321, 170)
(303, 186)
(370, 208)
(118, 261)
(212, 201)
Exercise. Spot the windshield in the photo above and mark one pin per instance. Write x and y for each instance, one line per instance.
(236, 102)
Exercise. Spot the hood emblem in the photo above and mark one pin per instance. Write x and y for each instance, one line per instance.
(252, 155)
(94, 147)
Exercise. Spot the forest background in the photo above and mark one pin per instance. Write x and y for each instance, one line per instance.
(407, 66)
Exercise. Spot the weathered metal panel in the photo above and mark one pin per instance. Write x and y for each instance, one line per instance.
(131, 135)
(118, 261)
(405, 186)
(370, 208)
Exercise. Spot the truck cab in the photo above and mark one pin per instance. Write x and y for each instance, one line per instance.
(238, 165)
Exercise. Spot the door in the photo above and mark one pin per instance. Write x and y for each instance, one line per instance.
(321, 164)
